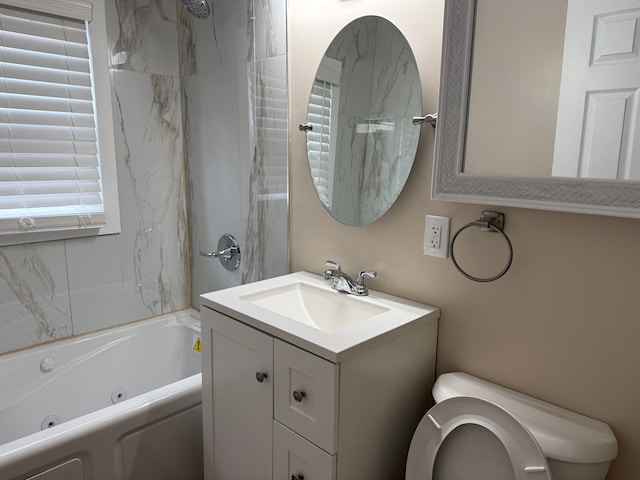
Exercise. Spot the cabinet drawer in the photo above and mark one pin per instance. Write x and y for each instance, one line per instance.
(305, 390)
(296, 458)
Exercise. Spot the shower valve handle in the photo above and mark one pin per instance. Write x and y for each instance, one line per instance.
(228, 252)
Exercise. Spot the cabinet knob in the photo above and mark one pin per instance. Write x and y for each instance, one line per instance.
(298, 395)
(297, 476)
(260, 376)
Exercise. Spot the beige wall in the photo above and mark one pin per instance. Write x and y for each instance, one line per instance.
(562, 325)
(515, 87)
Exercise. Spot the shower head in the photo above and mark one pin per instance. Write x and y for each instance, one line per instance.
(197, 8)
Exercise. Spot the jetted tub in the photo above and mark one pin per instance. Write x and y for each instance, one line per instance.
(120, 404)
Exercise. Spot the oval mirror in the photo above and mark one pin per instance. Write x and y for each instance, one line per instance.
(361, 141)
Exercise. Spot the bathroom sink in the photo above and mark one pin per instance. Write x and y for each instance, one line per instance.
(302, 309)
(326, 310)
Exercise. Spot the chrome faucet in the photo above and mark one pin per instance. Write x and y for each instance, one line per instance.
(342, 282)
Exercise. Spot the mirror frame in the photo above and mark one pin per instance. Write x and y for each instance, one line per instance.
(450, 183)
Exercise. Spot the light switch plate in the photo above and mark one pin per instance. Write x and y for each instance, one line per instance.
(436, 236)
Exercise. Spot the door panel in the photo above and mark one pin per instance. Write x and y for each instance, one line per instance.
(597, 124)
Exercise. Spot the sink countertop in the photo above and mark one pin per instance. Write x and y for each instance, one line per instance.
(336, 346)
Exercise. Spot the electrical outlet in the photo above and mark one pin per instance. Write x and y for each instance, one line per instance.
(436, 236)
(434, 232)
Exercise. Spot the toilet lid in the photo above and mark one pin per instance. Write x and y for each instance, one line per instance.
(525, 455)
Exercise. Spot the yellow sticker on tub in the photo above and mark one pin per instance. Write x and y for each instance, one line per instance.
(198, 346)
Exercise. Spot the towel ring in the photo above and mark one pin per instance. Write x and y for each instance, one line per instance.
(490, 222)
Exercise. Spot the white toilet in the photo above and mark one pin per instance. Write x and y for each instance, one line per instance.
(480, 431)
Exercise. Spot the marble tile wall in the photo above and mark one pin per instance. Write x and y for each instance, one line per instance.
(234, 67)
(51, 290)
(209, 95)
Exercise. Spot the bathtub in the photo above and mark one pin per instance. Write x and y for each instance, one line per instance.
(120, 404)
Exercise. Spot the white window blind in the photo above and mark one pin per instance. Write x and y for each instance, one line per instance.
(319, 139)
(270, 109)
(50, 176)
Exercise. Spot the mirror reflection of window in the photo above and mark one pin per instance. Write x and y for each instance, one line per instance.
(323, 117)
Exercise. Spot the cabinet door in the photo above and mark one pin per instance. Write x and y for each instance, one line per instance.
(239, 360)
(295, 458)
(306, 394)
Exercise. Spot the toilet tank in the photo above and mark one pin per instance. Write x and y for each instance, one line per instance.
(576, 447)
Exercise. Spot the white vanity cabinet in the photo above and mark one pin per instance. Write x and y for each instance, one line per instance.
(237, 389)
(272, 409)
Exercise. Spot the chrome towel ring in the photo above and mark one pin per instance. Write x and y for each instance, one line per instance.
(489, 222)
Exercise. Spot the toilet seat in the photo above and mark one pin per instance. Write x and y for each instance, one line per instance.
(527, 459)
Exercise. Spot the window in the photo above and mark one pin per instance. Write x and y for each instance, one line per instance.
(57, 158)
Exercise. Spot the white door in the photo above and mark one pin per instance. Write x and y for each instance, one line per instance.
(597, 124)
(237, 399)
